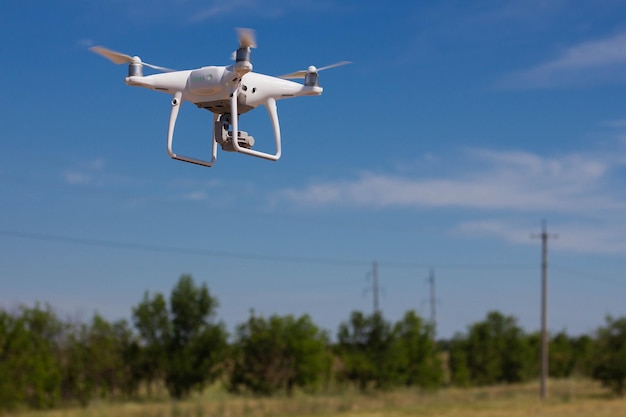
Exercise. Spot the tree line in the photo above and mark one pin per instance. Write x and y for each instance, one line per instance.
(178, 343)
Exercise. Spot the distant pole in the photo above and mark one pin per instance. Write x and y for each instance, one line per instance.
(375, 288)
(433, 302)
(375, 285)
(544, 236)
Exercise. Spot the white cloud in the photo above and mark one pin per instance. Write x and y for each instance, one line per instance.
(77, 178)
(586, 63)
(615, 124)
(220, 8)
(196, 11)
(493, 180)
(86, 173)
(576, 190)
(260, 8)
(570, 236)
(196, 196)
(496, 228)
(85, 42)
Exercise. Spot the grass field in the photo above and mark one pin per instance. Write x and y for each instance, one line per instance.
(567, 398)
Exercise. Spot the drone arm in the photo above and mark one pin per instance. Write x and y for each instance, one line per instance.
(271, 109)
(176, 103)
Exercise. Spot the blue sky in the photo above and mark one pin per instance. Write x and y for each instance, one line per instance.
(457, 129)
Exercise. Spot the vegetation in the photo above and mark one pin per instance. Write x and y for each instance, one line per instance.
(494, 351)
(181, 344)
(177, 345)
(279, 354)
(376, 354)
(610, 363)
(568, 398)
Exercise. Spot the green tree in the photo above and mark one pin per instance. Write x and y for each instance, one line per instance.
(610, 362)
(279, 353)
(496, 350)
(369, 352)
(182, 342)
(420, 363)
(571, 355)
(457, 361)
(562, 357)
(78, 383)
(29, 358)
(109, 344)
(152, 321)
(97, 361)
(584, 352)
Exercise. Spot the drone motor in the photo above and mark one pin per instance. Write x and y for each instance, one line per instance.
(135, 70)
(247, 41)
(312, 78)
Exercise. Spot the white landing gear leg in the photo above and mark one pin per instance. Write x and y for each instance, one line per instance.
(176, 103)
(270, 105)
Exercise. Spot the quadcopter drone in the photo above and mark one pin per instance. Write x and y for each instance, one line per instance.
(226, 91)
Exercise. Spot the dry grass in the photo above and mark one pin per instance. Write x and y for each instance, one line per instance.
(568, 398)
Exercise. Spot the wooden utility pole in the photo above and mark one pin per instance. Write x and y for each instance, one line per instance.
(544, 236)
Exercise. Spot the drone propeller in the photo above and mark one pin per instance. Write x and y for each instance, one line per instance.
(120, 58)
(247, 38)
(312, 70)
(247, 41)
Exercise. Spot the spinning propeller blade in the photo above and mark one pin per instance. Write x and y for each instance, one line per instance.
(313, 70)
(247, 38)
(156, 67)
(115, 57)
(120, 58)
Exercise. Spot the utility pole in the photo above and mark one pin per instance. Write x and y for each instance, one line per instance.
(375, 288)
(375, 285)
(544, 236)
(433, 302)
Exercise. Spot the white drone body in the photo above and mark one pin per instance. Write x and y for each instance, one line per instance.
(226, 91)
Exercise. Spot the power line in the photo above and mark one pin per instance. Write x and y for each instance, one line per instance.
(173, 249)
(247, 255)
(595, 276)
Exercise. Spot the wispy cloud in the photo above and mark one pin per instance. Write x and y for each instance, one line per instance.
(497, 192)
(85, 173)
(264, 8)
(493, 180)
(85, 42)
(586, 63)
(602, 238)
(196, 11)
(196, 196)
(96, 173)
(214, 9)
